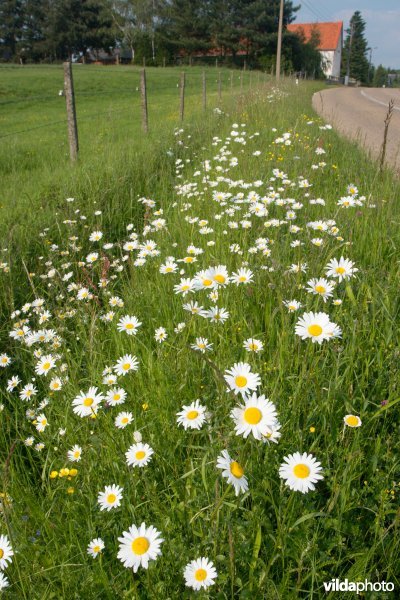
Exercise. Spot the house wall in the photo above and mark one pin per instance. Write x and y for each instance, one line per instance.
(332, 60)
(327, 61)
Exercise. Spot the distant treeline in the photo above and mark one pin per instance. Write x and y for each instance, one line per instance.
(162, 31)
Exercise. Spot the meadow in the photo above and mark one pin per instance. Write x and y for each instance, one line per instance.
(199, 334)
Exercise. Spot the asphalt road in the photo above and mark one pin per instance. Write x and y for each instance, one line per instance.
(359, 113)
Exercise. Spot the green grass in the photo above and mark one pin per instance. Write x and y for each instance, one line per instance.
(270, 542)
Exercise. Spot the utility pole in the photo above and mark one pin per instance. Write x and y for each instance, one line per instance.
(346, 79)
(279, 46)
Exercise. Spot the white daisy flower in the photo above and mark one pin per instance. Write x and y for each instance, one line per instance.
(6, 552)
(3, 582)
(243, 276)
(129, 325)
(219, 275)
(184, 287)
(87, 403)
(352, 421)
(233, 472)
(257, 416)
(241, 380)
(341, 269)
(192, 416)
(55, 384)
(201, 345)
(160, 334)
(74, 455)
(125, 364)
(321, 287)
(13, 383)
(216, 314)
(5, 360)
(41, 422)
(316, 326)
(138, 546)
(292, 305)
(95, 236)
(28, 391)
(123, 419)
(110, 498)
(45, 364)
(95, 547)
(200, 574)
(300, 471)
(139, 455)
(116, 396)
(253, 345)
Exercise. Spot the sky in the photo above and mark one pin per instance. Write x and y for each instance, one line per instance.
(382, 18)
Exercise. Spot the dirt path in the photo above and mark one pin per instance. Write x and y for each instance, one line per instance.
(359, 113)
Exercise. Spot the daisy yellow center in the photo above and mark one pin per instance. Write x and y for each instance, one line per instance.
(140, 454)
(340, 270)
(236, 470)
(140, 545)
(124, 420)
(77, 454)
(117, 397)
(96, 549)
(320, 289)
(1, 553)
(192, 414)
(44, 421)
(130, 326)
(88, 402)
(242, 278)
(219, 278)
(301, 471)
(126, 366)
(4, 360)
(207, 282)
(111, 498)
(315, 330)
(200, 574)
(241, 381)
(253, 346)
(168, 269)
(189, 259)
(56, 385)
(352, 421)
(185, 288)
(252, 415)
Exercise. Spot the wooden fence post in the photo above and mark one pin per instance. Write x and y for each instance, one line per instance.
(143, 94)
(182, 95)
(204, 91)
(71, 112)
(219, 87)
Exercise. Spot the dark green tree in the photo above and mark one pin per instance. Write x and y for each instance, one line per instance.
(185, 25)
(11, 23)
(380, 76)
(355, 50)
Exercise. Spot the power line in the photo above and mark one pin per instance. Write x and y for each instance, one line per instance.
(317, 12)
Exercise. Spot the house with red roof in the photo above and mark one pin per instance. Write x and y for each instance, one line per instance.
(330, 42)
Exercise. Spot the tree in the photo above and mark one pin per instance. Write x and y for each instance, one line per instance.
(380, 76)
(11, 22)
(356, 49)
(185, 25)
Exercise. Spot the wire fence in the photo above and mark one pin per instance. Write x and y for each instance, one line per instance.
(205, 87)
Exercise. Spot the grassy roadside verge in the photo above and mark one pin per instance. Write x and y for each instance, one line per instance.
(271, 541)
